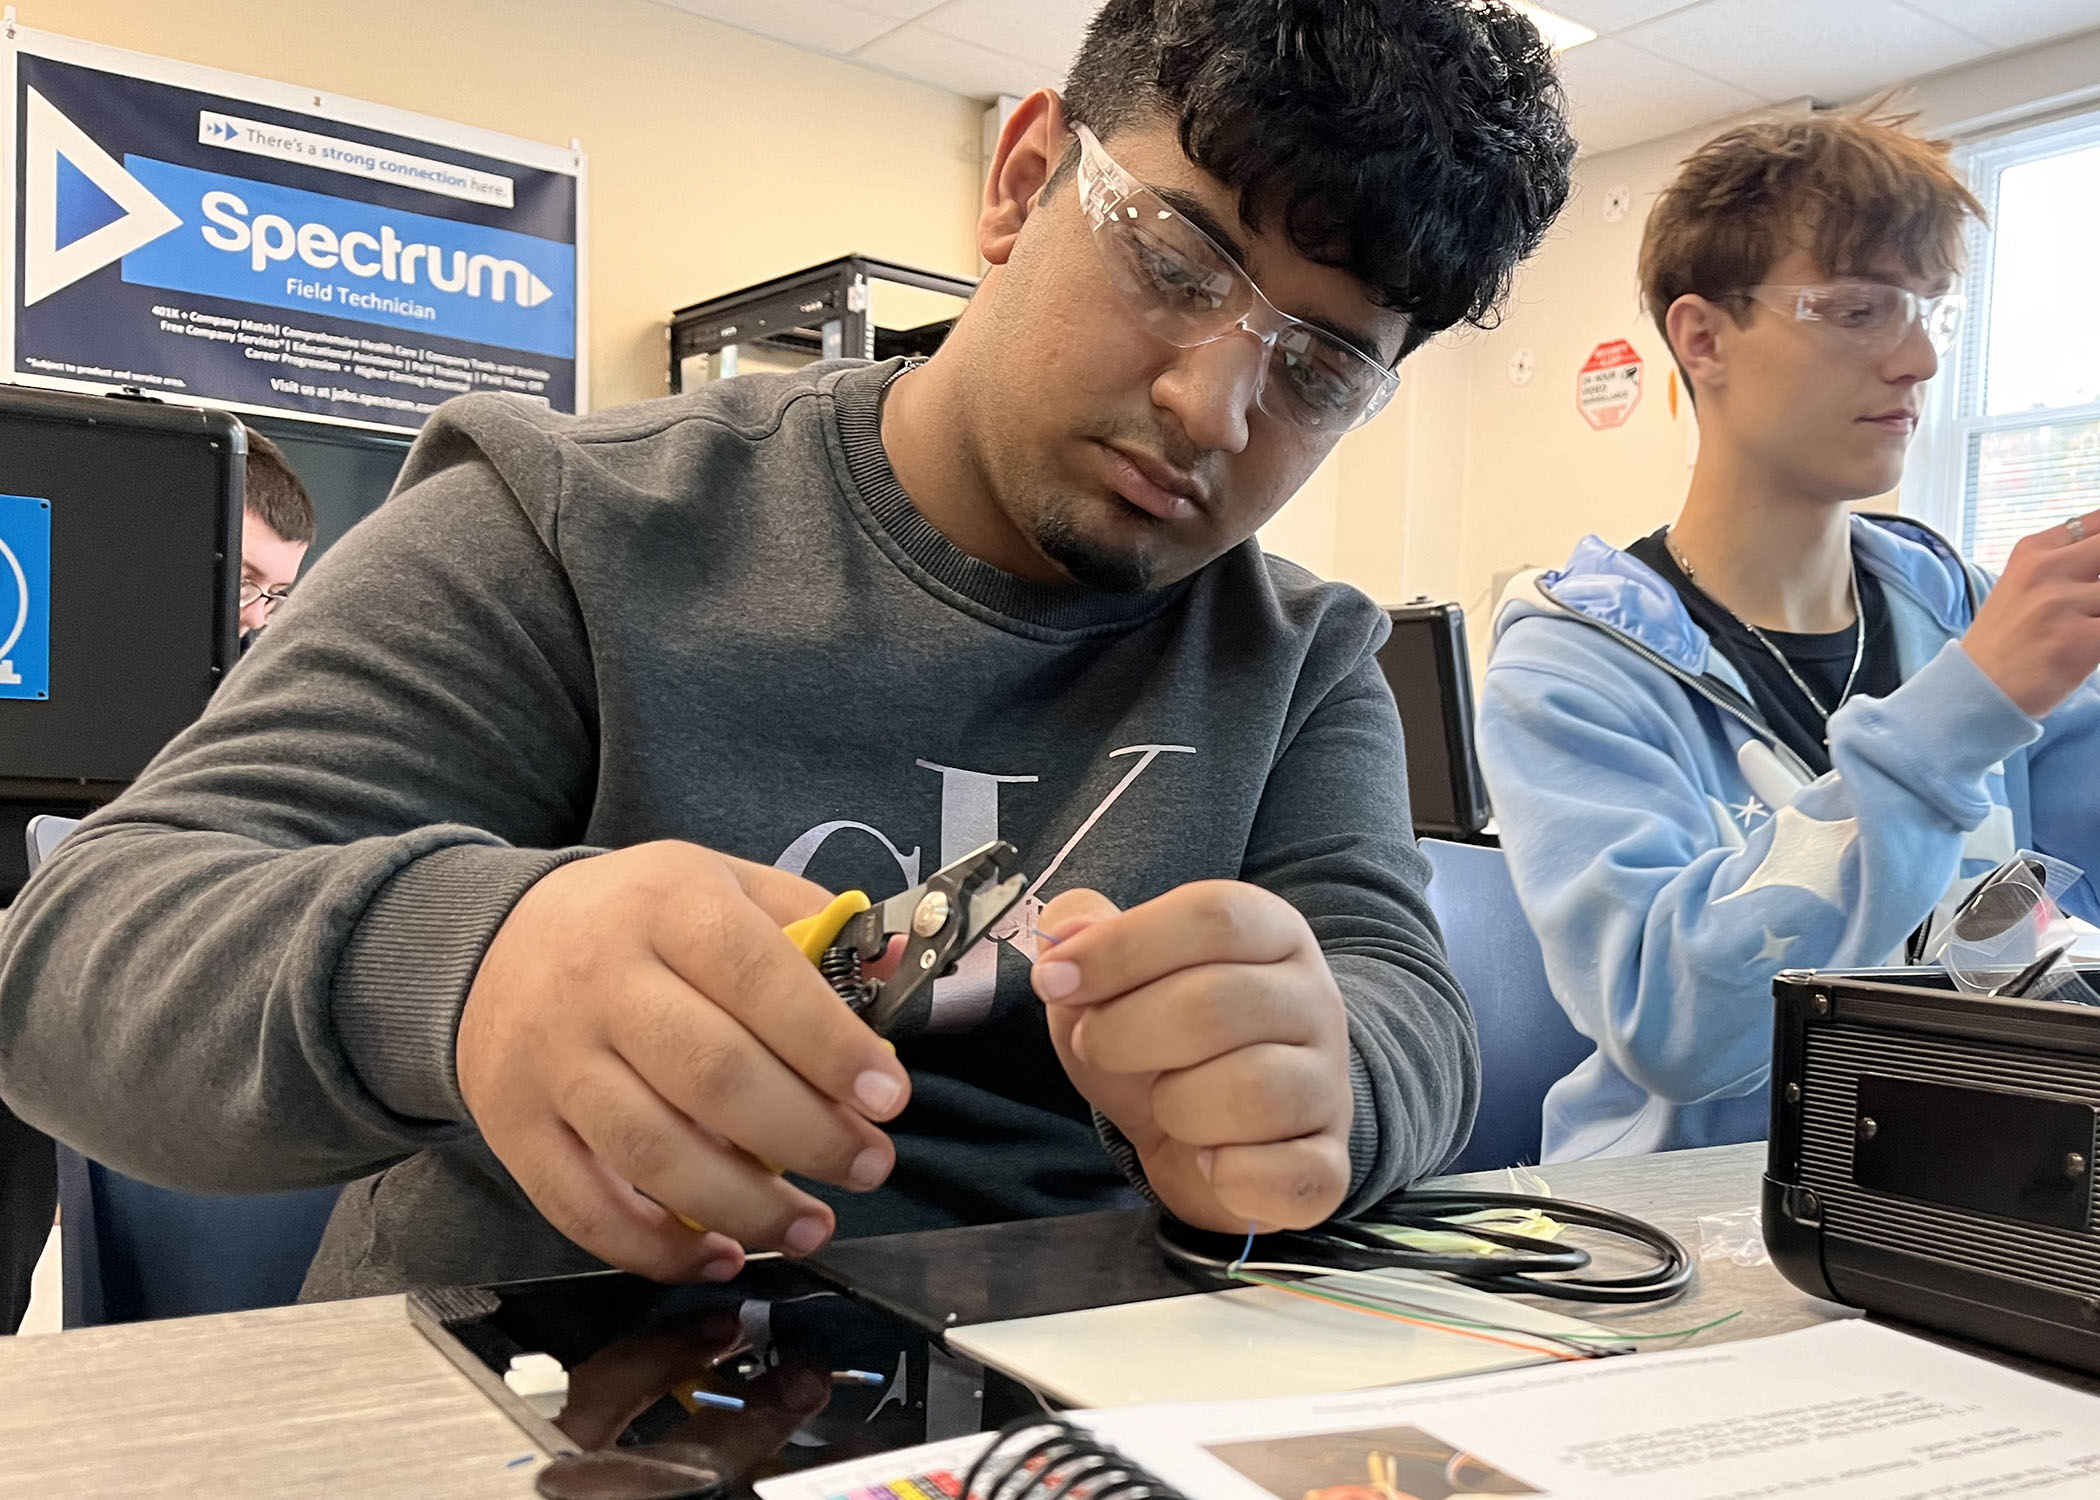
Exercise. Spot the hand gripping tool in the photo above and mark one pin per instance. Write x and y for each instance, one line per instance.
(940, 919)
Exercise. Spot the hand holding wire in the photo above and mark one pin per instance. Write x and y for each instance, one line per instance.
(1206, 1027)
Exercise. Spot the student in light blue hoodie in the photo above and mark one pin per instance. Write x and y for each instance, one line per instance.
(1777, 734)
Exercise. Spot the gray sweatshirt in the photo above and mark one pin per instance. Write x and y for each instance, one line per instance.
(716, 618)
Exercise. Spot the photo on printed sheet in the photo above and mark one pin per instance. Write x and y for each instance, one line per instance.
(1383, 1463)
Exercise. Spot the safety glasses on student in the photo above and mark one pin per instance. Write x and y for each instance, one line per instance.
(1187, 290)
(1874, 317)
(251, 592)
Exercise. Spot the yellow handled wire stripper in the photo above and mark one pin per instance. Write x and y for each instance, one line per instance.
(940, 919)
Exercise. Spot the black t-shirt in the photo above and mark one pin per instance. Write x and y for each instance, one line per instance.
(1823, 661)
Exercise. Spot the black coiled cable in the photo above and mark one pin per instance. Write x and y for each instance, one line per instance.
(1064, 1462)
(1519, 1263)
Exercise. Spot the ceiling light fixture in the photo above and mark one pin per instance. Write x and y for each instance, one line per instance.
(1560, 32)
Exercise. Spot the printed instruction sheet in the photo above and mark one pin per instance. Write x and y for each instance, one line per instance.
(1845, 1411)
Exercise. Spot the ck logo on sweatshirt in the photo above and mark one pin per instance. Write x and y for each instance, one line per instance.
(969, 820)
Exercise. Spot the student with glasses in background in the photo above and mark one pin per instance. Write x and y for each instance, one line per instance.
(1777, 734)
(277, 526)
(825, 630)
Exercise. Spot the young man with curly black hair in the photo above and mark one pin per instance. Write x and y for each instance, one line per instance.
(792, 634)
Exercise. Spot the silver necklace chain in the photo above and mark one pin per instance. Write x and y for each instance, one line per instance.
(1859, 637)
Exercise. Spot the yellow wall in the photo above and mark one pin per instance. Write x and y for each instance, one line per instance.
(1383, 512)
(1536, 476)
(717, 158)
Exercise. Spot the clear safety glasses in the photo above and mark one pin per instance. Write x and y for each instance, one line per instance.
(1874, 317)
(1186, 289)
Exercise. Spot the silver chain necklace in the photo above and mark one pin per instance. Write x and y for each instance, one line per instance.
(1859, 637)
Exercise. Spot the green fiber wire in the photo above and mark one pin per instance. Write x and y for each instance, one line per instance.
(1328, 1295)
(1406, 1310)
(1675, 1333)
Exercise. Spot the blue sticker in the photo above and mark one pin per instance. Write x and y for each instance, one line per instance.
(25, 597)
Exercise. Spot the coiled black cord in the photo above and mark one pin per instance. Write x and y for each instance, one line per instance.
(1519, 1263)
(1055, 1466)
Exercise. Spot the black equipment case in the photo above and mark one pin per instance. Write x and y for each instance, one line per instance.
(145, 562)
(1931, 1157)
(1424, 662)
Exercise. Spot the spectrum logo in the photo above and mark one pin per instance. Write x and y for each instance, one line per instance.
(81, 210)
(272, 238)
(181, 229)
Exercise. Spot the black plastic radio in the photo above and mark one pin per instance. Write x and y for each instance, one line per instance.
(1932, 1157)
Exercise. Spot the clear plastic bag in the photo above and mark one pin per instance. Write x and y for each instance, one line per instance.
(2008, 937)
(1737, 1236)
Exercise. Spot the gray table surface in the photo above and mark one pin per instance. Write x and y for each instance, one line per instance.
(347, 1399)
(1673, 1191)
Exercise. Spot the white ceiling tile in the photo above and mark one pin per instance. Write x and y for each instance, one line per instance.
(818, 25)
(2014, 23)
(1620, 94)
(956, 65)
(1046, 31)
(1607, 16)
(899, 10)
(1786, 48)
(1659, 66)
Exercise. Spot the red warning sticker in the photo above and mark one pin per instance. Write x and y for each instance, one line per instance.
(1609, 385)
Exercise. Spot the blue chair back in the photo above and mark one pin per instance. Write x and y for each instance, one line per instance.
(1526, 1040)
(130, 1251)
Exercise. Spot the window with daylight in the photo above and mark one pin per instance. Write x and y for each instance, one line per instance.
(2015, 440)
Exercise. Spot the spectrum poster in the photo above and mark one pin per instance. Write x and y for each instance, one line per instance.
(210, 237)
